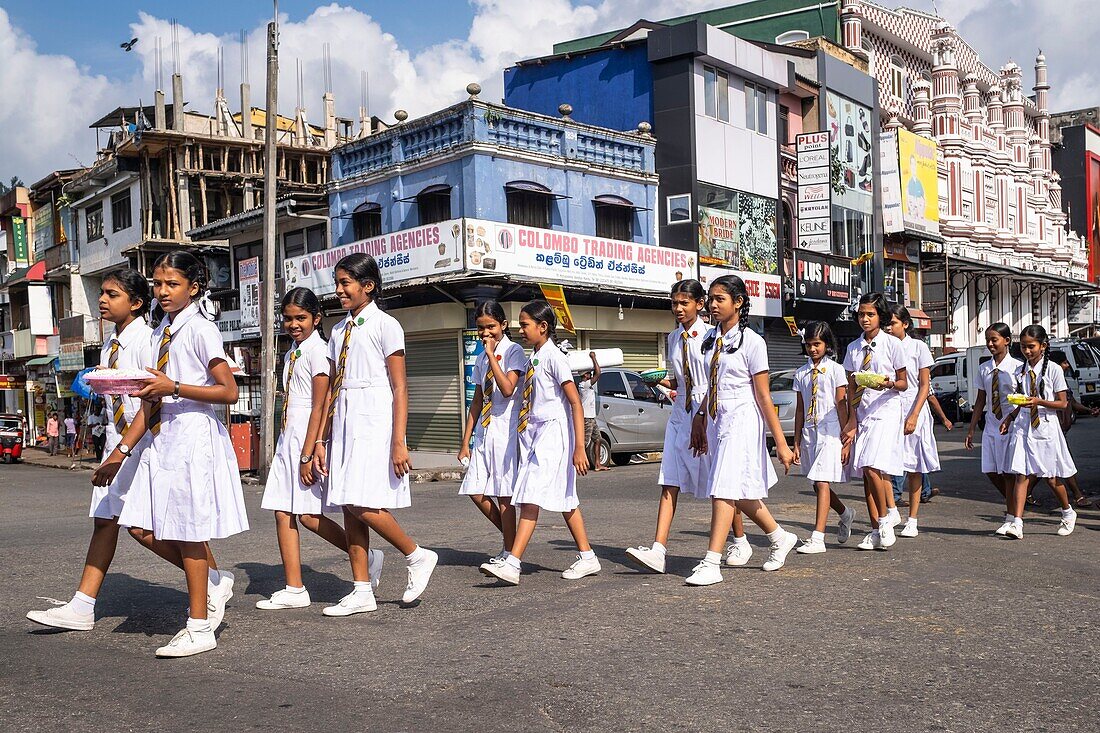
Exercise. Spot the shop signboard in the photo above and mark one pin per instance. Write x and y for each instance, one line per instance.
(920, 206)
(849, 128)
(814, 192)
(765, 291)
(821, 278)
(248, 273)
(719, 237)
(403, 256)
(19, 241)
(229, 324)
(71, 358)
(13, 381)
(573, 259)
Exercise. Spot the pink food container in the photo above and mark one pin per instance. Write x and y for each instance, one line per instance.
(116, 385)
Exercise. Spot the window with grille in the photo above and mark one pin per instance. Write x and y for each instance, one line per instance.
(366, 221)
(93, 221)
(434, 205)
(528, 208)
(614, 221)
(121, 216)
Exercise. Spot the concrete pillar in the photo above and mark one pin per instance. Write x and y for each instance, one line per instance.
(177, 102)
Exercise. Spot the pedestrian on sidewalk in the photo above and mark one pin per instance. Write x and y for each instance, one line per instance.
(367, 461)
(293, 491)
(70, 435)
(586, 388)
(729, 430)
(53, 429)
(551, 454)
(97, 426)
(491, 424)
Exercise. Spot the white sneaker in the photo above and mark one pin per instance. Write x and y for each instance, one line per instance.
(189, 643)
(1003, 529)
(283, 598)
(737, 554)
(582, 568)
(375, 560)
(811, 546)
(844, 529)
(217, 596)
(502, 571)
(909, 530)
(647, 557)
(63, 617)
(887, 536)
(705, 573)
(352, 604)
(419, 575)
(779, 551)
(1069, 520)
(871, 541)
(1015, 531)
(893, 518)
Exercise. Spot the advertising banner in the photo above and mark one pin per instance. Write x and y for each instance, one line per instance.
(919, 183)
(410, 254)
(1092, 214)
(573, 259)
(814, 192)
(822, 278)
(850, 136)
(71, 358)
(765, 291)
(719, 237)
(555, 296)
(19, 242)
(889, 183)
(249, 278)
(471, 349)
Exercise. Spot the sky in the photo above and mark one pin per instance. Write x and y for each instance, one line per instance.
(61, 66)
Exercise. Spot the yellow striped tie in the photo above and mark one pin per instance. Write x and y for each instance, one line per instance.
(340, 364)
(118, 409)
(528, 390)
(863, 367)
(685, 365)
(162, 364)
(995, 392)
(1034, 408)
(812, 414)
(712, 396)
(286, 386)
(487, 398)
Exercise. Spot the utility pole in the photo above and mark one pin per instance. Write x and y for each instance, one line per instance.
(267, 284)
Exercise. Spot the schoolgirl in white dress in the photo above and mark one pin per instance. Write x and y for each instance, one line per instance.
(123, 300)
(821, 410)
(728, 429)
(367, 462)
(1036, 444)
(293, 492)
(550, 425)
(491, 423)
(187, 487)
(996, 381)
(681, 471)
(921, 452)
(875, 420)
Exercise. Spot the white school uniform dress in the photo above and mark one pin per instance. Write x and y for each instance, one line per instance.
(679, 466)
(133, 353)
(921, 453)
(493, 461)
(821, 449)
(995, 445)
(738, 465)
(546, 476)
(360, 470)
(879, 420)
(1039, 451)
(285, 491)
(190, 485)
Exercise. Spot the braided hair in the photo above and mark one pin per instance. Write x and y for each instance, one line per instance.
(735, 288)
(1037, 332)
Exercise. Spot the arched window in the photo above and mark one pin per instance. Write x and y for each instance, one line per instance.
(528, 203)
(897, 77)
(791, 37)
(614, 217)
(787, 233)
(868, 49)
(434, 204)
(366, 220)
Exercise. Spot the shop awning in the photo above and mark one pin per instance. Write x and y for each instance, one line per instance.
(921, 320)
(41, 360)
(974, 267)
(34, 273)
(532, 187)
(609, 200)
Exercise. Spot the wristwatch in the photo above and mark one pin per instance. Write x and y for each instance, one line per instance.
(304, 460)
(176, 392)
(124, 449)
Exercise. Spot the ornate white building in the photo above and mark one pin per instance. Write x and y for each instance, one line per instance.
(1007, 254)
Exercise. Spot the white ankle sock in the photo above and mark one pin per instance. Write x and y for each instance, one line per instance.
(911, 521)
(742, 540)
(82, 604)
(198, 624)
(299, 589)
(817, 536)
(588, 554)
(893, 512)
(658, 547)
(776, 534)
(713, 558)
(513, 561)
(361, 586)
(415, 556)
(1068, 512)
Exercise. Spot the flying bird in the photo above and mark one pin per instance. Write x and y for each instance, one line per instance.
(128, 45)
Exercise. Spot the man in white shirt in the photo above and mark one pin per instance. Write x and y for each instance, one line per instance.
(587, 389)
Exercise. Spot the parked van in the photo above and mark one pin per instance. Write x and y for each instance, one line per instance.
(1084, 362)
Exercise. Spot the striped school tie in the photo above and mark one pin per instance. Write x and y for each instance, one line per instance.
(118, 409)
(487, 398)
(1034, 393)
(812, 414)
(162, 364)
(995, 393)
(867, 348)
(340, 364)
(286, 386)
(685, 365)
(712, 395)
(528, 390)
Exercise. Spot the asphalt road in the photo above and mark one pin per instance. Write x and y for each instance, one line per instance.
(952, 631)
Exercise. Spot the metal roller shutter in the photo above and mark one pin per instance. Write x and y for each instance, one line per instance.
(784, 350)
(640, 351)
(435, 392)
